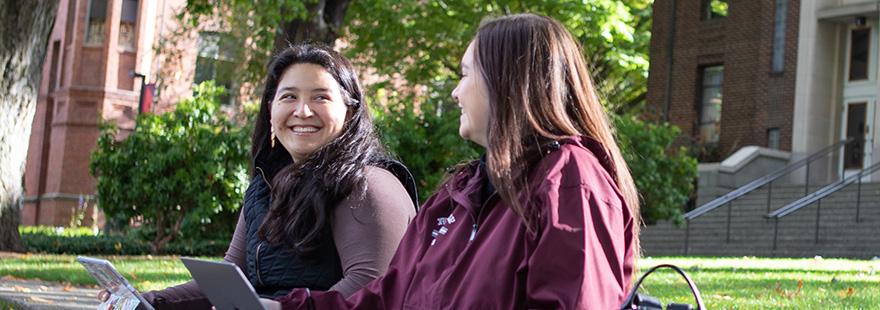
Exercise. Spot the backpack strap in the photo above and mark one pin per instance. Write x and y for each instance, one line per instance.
(404, 176)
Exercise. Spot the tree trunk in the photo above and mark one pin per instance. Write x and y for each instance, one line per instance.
(24, 34)
(325, 20)
(161, 239)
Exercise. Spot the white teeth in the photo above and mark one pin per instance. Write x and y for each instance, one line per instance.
(304, 129)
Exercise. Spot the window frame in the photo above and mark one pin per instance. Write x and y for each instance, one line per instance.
(702, 104)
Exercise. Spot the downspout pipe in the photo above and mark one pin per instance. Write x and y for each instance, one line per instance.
(670, 59)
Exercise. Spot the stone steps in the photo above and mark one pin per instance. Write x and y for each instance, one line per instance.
(751, 233)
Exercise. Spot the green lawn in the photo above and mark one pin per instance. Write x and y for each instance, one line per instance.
(726, 283)
(767, 283)
(144, 272)
(5, 305)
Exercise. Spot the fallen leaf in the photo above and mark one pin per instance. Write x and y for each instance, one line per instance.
(67, 288)
(21, 289)
(849, 292)
(43, 300)
(789, 294)
(43, 288)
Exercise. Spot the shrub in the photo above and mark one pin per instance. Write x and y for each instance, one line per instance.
(425, 137)
(664, 173)
(81, 241)
(58, 231)
(179, 174)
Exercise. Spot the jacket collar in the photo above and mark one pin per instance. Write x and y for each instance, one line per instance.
(599, 151)
(465, 187)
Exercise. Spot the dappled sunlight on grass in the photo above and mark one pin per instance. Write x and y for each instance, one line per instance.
(144, 272)
(725, 283)
(748, 282)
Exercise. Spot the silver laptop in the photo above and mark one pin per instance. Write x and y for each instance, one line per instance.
(122, 293)
(224, 284)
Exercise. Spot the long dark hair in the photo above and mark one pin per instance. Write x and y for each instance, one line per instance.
(305, 193)
(539, 90)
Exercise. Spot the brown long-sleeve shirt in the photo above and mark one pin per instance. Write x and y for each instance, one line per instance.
(366, 231)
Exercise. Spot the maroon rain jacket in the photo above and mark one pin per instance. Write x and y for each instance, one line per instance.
(459, 255)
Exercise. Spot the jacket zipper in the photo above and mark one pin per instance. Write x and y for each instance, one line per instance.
(479, 215)
(260, 245)
(257, 263)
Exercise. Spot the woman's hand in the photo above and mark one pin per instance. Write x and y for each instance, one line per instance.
(270, 304)
(103, 295)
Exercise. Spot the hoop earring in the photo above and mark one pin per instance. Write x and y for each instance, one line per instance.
(272, 137)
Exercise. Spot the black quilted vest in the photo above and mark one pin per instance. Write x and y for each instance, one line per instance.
(275, 270)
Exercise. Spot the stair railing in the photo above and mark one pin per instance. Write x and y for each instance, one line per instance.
(768, 180)
(817, 196)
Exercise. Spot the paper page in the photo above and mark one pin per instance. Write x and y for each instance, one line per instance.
(119, 302)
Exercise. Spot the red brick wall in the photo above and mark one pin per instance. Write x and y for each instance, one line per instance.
(754, 98)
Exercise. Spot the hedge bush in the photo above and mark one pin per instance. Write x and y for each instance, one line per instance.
(182, 174)
(84, 241)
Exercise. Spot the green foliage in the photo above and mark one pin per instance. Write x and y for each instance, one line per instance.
(57, 231)
(256, 23)
(88, 245)
(10, 305)
(420, 122)
(37, 242)
(664, 173)
(180, 174)
(413, 49)
(425, 138)
(422, 42)
(718, 8)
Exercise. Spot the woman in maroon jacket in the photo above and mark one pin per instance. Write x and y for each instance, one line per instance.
(547, 219)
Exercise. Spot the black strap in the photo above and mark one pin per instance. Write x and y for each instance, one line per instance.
(628, 302)
(406, 178)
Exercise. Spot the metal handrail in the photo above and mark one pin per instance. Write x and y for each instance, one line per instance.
(822, 193)
(816, 197)
(759, 182)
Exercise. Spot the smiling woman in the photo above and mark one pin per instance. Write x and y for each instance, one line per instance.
(308, 110)
(327, 207)
(547, 219)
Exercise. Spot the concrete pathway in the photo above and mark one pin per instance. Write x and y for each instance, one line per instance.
(43, 295)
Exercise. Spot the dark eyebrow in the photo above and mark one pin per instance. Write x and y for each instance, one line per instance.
(286, 88)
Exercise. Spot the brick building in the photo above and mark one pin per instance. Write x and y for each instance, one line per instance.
(781, 96)
(785, 78)
(837, 83)
(725, 73)
(94, 47)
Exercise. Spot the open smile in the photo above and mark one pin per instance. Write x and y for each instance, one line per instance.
(304, 129)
